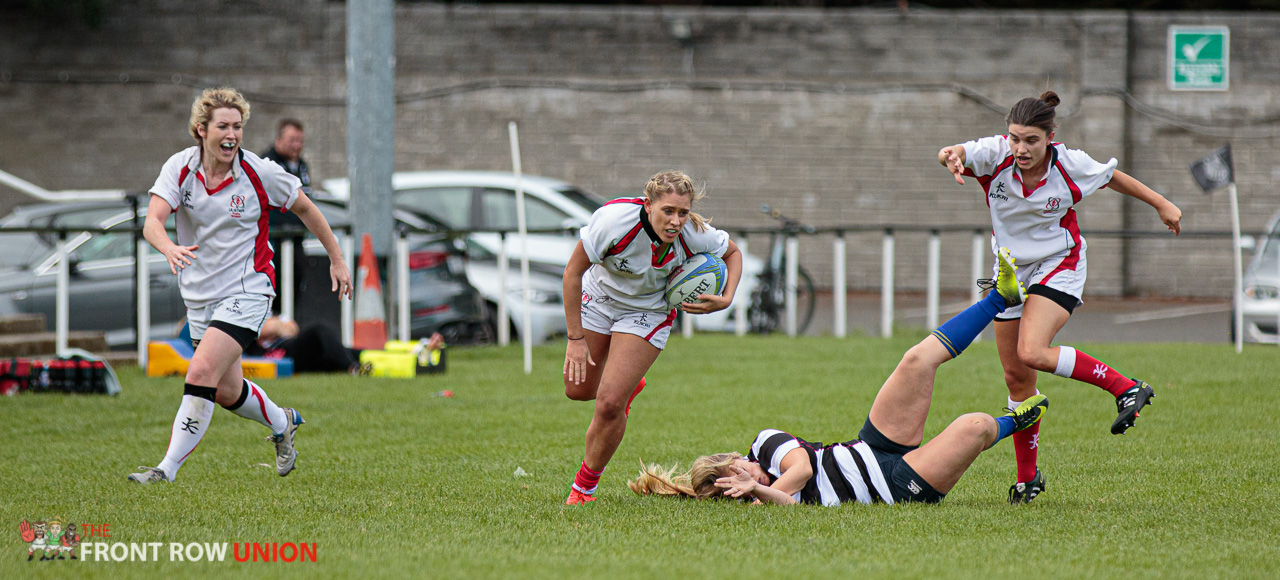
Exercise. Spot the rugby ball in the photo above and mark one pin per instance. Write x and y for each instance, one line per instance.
(701, 274)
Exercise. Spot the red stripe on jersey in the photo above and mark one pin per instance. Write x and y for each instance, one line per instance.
(635, 200)
(659, 261)
(687, 254)
(1069, 223)
(626, 240)
(261, 249)
(182, 175)
(671, 317)
(225, 183)
(1075, 189)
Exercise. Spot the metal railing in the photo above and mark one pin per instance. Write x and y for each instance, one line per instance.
(401, 251)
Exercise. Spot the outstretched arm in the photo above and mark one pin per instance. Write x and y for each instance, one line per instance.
(577, 356)
(953, 159)
(319, 227)
(796, 471)
(1169, 213)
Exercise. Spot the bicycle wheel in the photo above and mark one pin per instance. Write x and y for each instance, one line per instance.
(762, 314)
(806, 299)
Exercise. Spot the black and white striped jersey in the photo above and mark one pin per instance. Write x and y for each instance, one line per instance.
(842, 472)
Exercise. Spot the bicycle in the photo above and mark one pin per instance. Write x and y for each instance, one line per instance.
(768, 300)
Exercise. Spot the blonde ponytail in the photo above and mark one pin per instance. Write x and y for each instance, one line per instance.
(698, 483)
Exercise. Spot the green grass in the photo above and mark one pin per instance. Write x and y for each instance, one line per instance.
(392, 480)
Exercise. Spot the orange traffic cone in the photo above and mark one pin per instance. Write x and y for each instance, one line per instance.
(371, 316)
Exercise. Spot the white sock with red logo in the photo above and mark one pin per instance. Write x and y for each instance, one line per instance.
(254, 404)
(189, 426)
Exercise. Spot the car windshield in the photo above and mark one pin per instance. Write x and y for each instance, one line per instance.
(20, 249)
(585, 199)
(1266, 260)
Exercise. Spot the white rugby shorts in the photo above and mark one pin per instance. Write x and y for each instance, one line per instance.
(601, 314)
(243, 310)
(1055, 272)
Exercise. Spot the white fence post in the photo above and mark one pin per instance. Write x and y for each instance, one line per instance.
(741, 302)
(61, 298)
(792, 273)
(504, 327)
(839, 288)
(143, 264)
(347, 321)
(976, 263)
(886, 285)
(402, 285)
(686, 325)
(931, 285)
(286, 278)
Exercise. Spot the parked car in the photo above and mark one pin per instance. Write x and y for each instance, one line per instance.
(487, 200)
(102, 271)
(1261, 280)
(465, 263)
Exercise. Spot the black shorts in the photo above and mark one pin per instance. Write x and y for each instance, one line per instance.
(904, 482)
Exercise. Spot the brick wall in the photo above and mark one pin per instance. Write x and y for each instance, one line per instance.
(833, 116)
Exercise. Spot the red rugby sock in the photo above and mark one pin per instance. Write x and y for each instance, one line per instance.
(586, 480)
(1074, 364)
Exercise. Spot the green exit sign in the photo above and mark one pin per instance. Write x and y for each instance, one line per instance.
(1199, 58)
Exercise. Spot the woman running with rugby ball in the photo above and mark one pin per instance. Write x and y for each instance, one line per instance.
(1032, 185)
(620, 268)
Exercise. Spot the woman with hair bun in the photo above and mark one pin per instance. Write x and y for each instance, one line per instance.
(1032, 185)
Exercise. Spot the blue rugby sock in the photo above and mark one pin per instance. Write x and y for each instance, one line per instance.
(957, 333)
(1005, 428)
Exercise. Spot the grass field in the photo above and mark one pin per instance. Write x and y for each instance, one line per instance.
(392, 480)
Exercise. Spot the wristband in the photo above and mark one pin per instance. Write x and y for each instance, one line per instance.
(579, 338)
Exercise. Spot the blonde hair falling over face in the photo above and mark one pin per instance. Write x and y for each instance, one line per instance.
(213, 99)
(698, 483)
(678, 183)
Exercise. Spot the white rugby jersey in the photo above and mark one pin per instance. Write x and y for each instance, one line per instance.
(227, 220)
(629, 264)
(1035, 221)
(842, 472)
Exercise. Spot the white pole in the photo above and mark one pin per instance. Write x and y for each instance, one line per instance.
(686, 325)
(525, 333)
(741, 301)
(345, 305)
(61, 302)
(976, 263)
(402, 286)
(931, 284)
(286, 278)
(504, 327)
(838, 285)
(975, 272)
(1238, 291)
(886, 286)
(793, 268)
(142, 261)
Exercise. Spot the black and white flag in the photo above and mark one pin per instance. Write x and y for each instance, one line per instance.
(1215, 170)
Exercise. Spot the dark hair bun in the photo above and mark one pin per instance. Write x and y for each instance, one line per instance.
(1050, 98)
